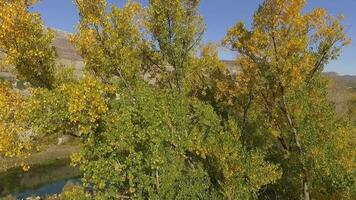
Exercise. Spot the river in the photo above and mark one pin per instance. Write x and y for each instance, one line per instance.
(40, 180)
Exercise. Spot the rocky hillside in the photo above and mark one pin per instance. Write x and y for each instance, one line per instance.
(66, 51)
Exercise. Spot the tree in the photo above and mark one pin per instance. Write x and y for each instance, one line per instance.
(41, 108)
(153, 142)
(281, 60)
(175, 29)
(26, 43)
(26, 49)
(199, 132)
(109, 41)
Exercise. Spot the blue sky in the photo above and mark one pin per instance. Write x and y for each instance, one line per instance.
(219, 15)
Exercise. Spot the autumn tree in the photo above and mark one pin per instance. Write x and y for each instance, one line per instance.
(109, 41)
(175, 29)
(26, 43)
(281, 59)
(157, 121)
(154, 141)
(26, 51)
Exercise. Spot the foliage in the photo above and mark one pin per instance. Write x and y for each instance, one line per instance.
(149, 135)
(109, 41)
(157, 121)
(281, 60)
(26, 43)
(26, 49)
(14, 140)
(161, 142)
(351, 104)
(174, 29)
(72, 192)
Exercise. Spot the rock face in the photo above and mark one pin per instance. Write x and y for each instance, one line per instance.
(64, 139)
(67, 54)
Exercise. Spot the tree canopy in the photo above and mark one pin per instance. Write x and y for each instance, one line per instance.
(160, 117)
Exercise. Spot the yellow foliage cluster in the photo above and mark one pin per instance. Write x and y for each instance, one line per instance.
(26, 45)
(279, 43)
(86, 103)
(14, 138)
(207, 76)
(92, 10)
(344, 140)
(108, 41)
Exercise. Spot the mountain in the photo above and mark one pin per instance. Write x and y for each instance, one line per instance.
(66, 51)
(345, 80)
(67, 55)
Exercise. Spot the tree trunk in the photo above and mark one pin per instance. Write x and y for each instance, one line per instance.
(246, 108)
(306, 193)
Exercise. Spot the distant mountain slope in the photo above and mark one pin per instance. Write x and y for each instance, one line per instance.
(66, 51)
(346, 80)
(68, 56)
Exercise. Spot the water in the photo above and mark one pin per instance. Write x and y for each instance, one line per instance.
(40, 180)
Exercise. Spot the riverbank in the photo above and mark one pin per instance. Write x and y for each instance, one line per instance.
(51, 154)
